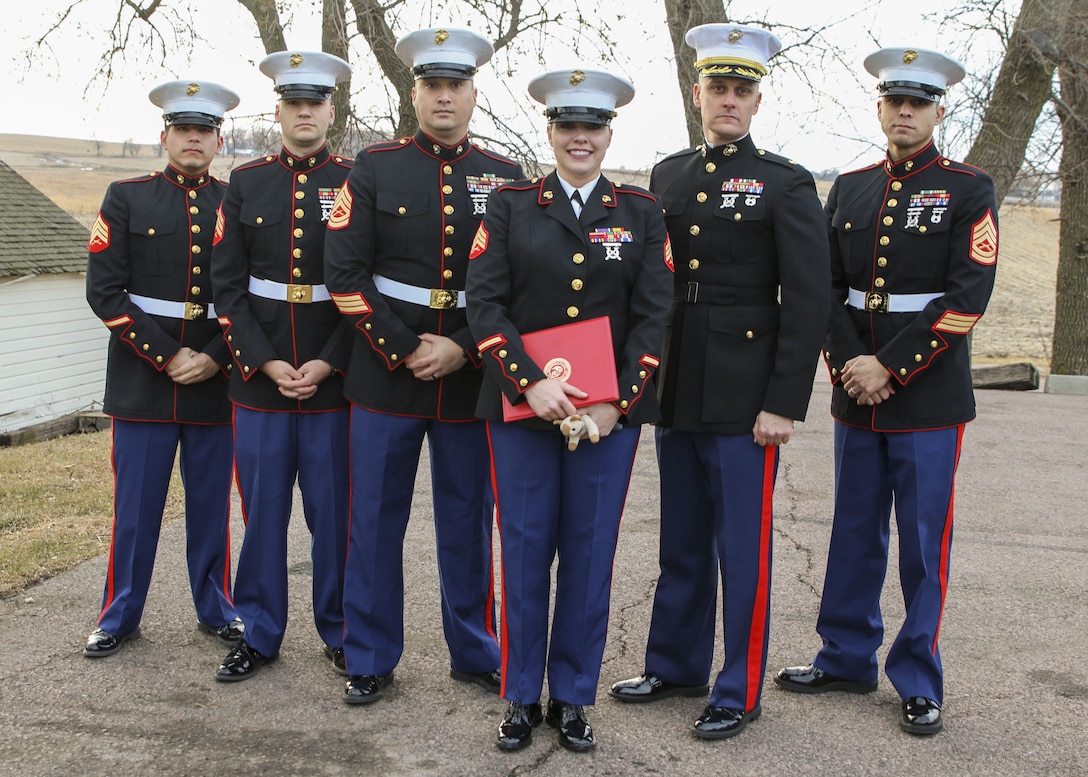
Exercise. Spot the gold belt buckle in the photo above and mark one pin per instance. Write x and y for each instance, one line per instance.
(876, 302)
(443, 299)
(194, 311)
(300, 292)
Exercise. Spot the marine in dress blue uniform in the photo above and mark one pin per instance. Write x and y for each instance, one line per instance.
(166, 376)
(290, 349)
(914, 255)
(541, 260)
(396, 259)
(751, 284)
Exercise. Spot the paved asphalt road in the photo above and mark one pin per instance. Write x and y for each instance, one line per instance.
(1013, 642)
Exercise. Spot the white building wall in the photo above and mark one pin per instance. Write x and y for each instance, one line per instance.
(52, 350)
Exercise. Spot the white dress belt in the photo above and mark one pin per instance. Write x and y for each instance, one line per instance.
(288, 292)
(189, 311)
(882, 302)
(438, 299)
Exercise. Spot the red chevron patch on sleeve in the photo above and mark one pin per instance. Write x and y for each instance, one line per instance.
(668, 255)
(100, 235)
(220, 224)
(984, 240)
(341, 209)
(479, 242)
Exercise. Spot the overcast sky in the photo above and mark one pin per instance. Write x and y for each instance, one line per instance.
(52, 97)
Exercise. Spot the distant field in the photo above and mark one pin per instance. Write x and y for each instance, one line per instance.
(1018, 326)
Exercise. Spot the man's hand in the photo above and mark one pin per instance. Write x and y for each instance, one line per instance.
(772, 429)
(605, 414)
(548, 399)
(298, 383)
(189, 366)
(867, 380)
(436, 357)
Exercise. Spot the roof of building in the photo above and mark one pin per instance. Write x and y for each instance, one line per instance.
(38, 236)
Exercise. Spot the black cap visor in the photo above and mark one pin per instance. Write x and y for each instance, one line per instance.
(581, 114)
(444, 70)
(910, 89)
(304, 91)
(192, 117)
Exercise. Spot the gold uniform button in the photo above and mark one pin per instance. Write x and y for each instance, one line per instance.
(711, 167)
(151, 231)
(299, 213)
(196, 271)
(300, 195)
(192, 194)
(834, 371)
(195, 290)
(302, 178)
(246, 368)
(402, 210)
(513, 366)
(196, 249)
(230, 366)
(237, 353)
(297, 272)
(736, 217)
(694, 229)
(579, 258)
(642, 373)
(888, 221)
(917, 357)
(885, 240)
(932, 343)
(447, 169)
(502, 353)
(297, 253)
(147, 347)
(447, 189)
(260, 219)
(230, 338)
(749, 334)
(298, 233)
(847, 226)
(368, 326)
(922, 229)
(448, 210)
(523, 382)
(701, 196)
(572, 312)
(449, 229)
(634, 389)
(447, 251)
(131, 335)
(893, 202)
(896, 186)
(902, 370)
(879, 283)
(624, 404)
(693, 264)
(576, 284)
(881, 261)
(381, 341)
(447, 274)
(195, 229)
(194, 209)
(392, 357)
(158, 359)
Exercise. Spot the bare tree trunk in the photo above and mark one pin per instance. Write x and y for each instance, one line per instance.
(1022, 89)
(1070, 352)
(267, 19)
(371, 22)
(334, 40)
(682, 16)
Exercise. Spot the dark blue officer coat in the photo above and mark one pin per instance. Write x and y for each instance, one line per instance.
(144, 225)
(744, 224)
(272, 227)
(922, 225)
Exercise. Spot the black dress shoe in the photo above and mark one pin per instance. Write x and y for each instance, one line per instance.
(101, 643)
(336, 655)
(240, 664)
(228, 635)
(723, 722)
(516, 728)
(364, 688)
(575, 733)
(921, 716)
(489, 681)
(650, 687)
(809, 679)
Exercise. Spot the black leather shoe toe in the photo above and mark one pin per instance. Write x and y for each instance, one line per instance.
(240, 664)
(227, 635)
(336, 655)
(649, 687)
(364, 688)
(921, 716)
(723, 722)
(575, 733)
(101, 643)
(810, 679)
(516, 728)
(489, 681)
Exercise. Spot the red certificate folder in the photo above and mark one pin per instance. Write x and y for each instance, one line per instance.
(579, 353)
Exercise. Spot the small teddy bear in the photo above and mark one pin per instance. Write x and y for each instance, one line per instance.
(573, 426)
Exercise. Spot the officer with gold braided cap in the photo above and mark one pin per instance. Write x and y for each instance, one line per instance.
(750, 309)
(913, 259)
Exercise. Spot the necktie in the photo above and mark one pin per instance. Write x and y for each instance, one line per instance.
(576, 203)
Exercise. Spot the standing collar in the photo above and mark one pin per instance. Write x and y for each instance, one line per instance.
(441, 150)
(302, 164)
(913, 163)
(174, 175)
